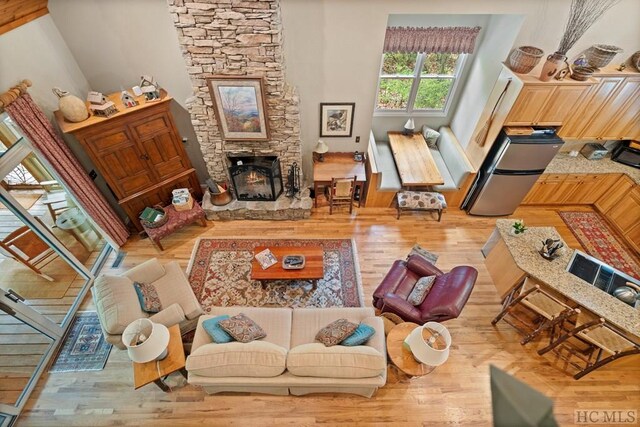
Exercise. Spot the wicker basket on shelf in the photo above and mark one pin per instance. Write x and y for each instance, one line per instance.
(524, 59)
(635, 60)
(582, 73)
(600, 55)
(162, 221)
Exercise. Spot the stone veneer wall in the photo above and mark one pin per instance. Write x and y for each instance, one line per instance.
(232, 37)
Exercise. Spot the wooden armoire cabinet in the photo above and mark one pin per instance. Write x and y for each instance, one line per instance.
(139, 153)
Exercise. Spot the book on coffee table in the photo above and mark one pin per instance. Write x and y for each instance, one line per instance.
(266, 258)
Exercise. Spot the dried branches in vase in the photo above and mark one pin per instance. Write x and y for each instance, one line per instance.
(582, 15)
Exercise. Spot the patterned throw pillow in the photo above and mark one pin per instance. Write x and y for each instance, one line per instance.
(242, 329)
(421, 289)
(215, 331)
(430, 136)
(335, 332)
(148, 297)
(360, 336)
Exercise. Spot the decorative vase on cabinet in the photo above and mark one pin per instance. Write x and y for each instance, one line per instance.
(72, 108)
(552, 66)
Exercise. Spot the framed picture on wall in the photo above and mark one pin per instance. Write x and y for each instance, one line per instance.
(336, 119)
(240, 107)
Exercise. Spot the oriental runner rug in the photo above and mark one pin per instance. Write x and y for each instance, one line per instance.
(220, 274)
(599, 241)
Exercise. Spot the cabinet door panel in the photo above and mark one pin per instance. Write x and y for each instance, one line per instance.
(529, 104)
(633, 237)
(561, 104)
(164, 156)
(611, 109)
(593, 103)
(120, 162)
(614, 193)
(626, 213)
(625, 124)
(152, 125)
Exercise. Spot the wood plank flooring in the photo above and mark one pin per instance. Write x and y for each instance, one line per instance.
(457, 392)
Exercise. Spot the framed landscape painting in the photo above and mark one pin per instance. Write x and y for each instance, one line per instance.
(336, 119)
(240, 107)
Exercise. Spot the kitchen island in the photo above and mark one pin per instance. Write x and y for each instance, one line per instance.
(512, 259)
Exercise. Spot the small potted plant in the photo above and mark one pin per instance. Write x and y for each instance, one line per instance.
(518, 228)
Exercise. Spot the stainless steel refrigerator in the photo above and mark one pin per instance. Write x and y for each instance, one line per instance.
(514, 163)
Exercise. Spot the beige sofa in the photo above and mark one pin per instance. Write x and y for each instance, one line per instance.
(288, 361)
(117, 302)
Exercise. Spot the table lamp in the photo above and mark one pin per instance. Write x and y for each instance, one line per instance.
(409, 127)
(320, 149)
(429, 351)
(146, 340)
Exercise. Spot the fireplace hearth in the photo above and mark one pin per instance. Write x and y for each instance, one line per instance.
(256, 178)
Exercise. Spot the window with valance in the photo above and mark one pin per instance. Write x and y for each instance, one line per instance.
(421, 66)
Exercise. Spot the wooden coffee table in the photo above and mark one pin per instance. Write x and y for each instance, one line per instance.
(155, 372)
(312, 271)
(402, 357)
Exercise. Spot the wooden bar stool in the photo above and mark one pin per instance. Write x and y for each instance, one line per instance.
(551, 311)
(600, 339)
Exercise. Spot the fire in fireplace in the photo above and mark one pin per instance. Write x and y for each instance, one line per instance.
(256, 178)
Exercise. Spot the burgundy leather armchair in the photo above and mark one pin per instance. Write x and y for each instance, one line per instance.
(445, 300)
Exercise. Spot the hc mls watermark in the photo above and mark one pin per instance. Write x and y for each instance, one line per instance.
(605, 416)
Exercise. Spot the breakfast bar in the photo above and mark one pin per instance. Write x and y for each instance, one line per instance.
(510, 259)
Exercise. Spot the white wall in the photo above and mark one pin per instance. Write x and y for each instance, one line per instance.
(36, 51)
(117, 41)
(333, 47)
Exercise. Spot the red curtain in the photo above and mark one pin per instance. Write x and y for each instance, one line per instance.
(35, 125)
(431, 39)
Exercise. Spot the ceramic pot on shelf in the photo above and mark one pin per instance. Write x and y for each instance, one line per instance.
(555, 62)
(72, 108)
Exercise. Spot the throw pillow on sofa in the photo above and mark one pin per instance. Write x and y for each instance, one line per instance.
(360, 336)
(148, 297)
(335, 332)
(242, 328)
(430, 136)
(421, 289)
(215, 331)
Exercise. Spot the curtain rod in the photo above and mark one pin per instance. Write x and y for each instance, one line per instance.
(14, 93)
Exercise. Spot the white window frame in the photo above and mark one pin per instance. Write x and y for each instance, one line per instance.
(416, 77)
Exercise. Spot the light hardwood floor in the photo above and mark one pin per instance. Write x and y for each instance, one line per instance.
(457, 392)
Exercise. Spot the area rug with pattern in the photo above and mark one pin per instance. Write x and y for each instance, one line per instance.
(220, 274)
(599, 240)
(84, 348)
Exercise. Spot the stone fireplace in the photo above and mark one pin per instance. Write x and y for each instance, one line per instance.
(240, 38)
(256, 178)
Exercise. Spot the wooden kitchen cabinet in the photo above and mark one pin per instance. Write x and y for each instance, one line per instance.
(617, 191)
(570, 189)
(633, 237)
(548, 104)
(590, 188)
(626, 122)
(625, 214)
(139, 153)
(613, 109)
(550, 189)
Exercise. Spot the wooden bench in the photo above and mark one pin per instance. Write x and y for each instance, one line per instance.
(177, 220)
(421, 201)
(382, 175)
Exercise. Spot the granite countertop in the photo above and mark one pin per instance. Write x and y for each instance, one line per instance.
(524, 249)
(563, 163)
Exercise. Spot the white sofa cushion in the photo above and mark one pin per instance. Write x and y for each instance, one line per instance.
(456, 164)
(316, 360)
(387, 166)
(449, 182)
(235, 359)
(116, 302)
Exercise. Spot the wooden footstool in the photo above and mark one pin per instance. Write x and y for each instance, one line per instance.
(177, 220)
(421, 201)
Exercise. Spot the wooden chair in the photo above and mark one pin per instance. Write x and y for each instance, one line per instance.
(27, 248)
(341, 193)
(600, 340)
(56, 203)
(550, 312)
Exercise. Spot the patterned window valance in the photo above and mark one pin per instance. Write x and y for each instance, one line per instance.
(431, 39)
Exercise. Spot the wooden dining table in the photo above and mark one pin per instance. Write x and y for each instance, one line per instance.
(338, 165)
(414, 161)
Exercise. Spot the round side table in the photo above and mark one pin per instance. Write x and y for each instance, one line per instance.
(401, 357)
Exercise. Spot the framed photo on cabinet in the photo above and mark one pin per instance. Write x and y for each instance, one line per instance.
(336, 119)
(240, 107)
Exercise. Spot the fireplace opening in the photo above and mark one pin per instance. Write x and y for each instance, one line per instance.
(256, 178)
